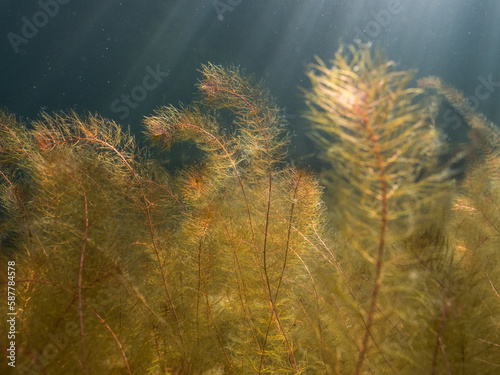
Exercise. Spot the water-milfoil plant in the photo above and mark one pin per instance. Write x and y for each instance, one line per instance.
(233, 263)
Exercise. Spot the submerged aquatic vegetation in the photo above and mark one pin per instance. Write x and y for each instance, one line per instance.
(234, 264)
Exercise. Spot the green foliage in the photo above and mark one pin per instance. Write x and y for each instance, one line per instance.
(233, 264)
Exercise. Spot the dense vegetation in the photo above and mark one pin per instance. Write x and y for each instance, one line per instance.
(234, 264)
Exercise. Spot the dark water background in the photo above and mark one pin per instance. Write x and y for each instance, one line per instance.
(85, 55)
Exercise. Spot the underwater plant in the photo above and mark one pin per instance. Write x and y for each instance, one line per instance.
(234, 263)
(409, 311)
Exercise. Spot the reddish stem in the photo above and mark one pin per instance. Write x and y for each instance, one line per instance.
(80, 273)
(381, 245)
(268, 210)
(150, 222)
